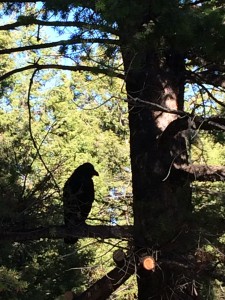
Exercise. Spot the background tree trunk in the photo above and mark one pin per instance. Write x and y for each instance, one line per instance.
(162, 203)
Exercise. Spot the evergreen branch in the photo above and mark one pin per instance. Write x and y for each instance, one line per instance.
(27, 21)
(211, 95)
(60, 232)
(199, 82)
(21, 1)
(207, 77)
(85, 3)
(94, 70)
(72, 41)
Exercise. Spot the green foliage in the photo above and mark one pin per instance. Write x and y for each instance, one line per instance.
(11, 285)
(63, 127)
(209, 215)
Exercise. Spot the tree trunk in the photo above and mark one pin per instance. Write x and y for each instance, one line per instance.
(162, 202)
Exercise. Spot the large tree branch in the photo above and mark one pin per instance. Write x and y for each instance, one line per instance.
(60, 232)
(22, 1)
(94, 70)
(200, 172)
(190, 122)
(27, 21)
(60, 43)
(87, 3)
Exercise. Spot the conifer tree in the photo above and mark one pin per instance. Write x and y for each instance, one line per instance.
(156, 48)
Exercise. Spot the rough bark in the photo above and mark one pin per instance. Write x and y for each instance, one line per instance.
(162, 204)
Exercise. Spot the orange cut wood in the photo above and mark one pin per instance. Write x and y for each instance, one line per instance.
(148, 263)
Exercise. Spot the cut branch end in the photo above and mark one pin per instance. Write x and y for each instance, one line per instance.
(148, 263)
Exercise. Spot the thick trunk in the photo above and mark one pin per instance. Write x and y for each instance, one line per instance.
(162, 203)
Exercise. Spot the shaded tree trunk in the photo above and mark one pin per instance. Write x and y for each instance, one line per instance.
(162, 202)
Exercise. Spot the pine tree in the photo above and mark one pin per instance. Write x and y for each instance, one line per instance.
(156, 47)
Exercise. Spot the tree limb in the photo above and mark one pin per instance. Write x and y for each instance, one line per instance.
(22, 1)
(201, 172)
(190, 122)
(27, 21)
(36, 1)
(105, 286)
(60, 232)
(60, 43)
(94, 70)
(31, 131)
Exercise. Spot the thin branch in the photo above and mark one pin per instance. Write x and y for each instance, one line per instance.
(211, 95)
(60, 43)
(206, 77)
(60, 232)
(207, 90)
(211, 123)
(31, 132)
(94, 70)
(155, 106)
(33, 160)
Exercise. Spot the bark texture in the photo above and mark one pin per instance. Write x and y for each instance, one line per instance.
(162, 203)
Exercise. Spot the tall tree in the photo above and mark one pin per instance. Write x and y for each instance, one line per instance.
(164, 45)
